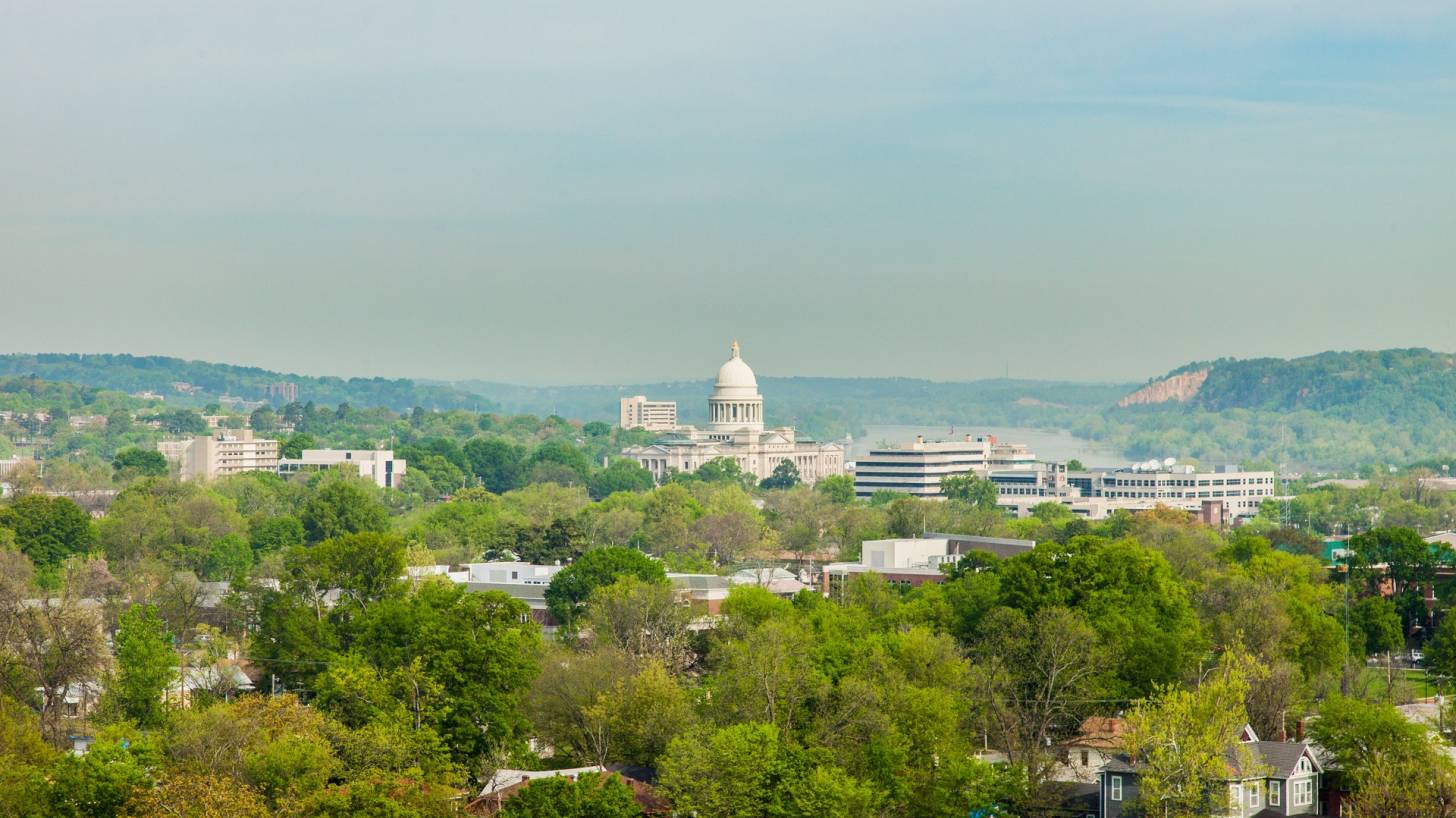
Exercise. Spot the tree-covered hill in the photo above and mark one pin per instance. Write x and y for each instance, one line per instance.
(132, 373)
(832, 407)
(1332, 410)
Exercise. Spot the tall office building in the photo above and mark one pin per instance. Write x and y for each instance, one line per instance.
(226, 451)
(653, 415)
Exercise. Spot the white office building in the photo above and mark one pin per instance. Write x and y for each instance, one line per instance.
(1179, 486)
(224, 452)
(1225, 493)
(653, 415)
(379, 465)
(917, 469)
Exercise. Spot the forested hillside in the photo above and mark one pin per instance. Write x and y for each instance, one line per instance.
(1335, 410)
(131, 373)
(1332, 410)
(832, 407)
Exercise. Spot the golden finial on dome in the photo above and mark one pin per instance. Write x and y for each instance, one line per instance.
(735, 347)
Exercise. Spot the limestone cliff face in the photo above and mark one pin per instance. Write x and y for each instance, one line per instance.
(1179, 388)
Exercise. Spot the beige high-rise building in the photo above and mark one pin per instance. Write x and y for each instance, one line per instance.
(653, 415)
(226, 451)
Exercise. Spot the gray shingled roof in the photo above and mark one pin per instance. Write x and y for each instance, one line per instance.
(1278, 756)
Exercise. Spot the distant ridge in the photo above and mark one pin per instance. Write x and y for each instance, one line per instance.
(1333, 410)
(133, 373)
(1393, 385)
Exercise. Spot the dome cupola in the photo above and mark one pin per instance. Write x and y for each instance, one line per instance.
(735, 403)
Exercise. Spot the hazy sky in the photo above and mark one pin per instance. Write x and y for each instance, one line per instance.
(608, 192)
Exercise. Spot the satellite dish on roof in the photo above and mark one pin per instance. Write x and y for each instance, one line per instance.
(1169, 461)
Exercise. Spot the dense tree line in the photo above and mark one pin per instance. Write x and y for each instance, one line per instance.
(390, 696)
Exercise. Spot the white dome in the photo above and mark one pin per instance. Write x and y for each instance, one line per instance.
(735, 374)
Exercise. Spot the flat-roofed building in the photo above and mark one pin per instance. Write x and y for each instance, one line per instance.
(917, 469)
(379, 465)
(653, 415)
(913, 561)
(225, 452)
(1179, 486)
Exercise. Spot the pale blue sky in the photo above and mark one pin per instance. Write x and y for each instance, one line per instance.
(610, 192)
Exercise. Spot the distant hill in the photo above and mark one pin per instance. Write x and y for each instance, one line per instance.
(1389, 385)
(832, 407)
(1334, 409)
(132, 374)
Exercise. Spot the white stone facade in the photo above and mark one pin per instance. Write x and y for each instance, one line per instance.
(736, 431)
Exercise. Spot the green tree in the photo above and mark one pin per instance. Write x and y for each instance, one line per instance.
(132, 462)
(47, 529)
(721, 470)
(590, 795)
(623, 474)
(496, 462)
(1185, 738)
(229, 558)
(969, 488)
(477, 650)
(263, 420)
(276, 534)
(641, 619)
(749, 770)
(339, 507)
(293, 447)
(1036, 677)
(365, 567)
(1397, 554)
(769, 676)
(199, 795)
(573, 585)
(145, 666)
(1389, 788)
(101, 784)
(1358, 735)
(1376, 623)
(561, 453)
(159, 518)
(380, 796)
(839, 488)
(785, 476)
(1126, 592)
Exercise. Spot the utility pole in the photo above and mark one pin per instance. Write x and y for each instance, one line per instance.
(1345, 675)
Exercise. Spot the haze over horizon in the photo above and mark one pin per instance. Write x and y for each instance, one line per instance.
(557, 195)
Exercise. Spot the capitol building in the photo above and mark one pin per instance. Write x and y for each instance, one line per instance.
(735, 431)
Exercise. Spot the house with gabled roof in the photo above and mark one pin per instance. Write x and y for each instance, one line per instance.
(1283, 779)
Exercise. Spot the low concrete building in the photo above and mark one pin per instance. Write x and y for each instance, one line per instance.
(379, 465)
(1180, 486)
(915, 561)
